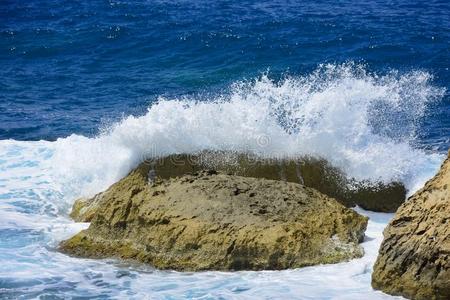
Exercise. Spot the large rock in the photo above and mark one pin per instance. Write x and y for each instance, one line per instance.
(309, 171)
(210, 221)
(414, 258)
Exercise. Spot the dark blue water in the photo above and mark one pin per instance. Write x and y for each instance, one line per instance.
(68, 66)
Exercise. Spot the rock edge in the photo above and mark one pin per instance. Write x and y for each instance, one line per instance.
(414, 258)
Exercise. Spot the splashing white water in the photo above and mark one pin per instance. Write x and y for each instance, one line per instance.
(363, 123)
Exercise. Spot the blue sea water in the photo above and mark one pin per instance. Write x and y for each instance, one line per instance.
(89, 88)
(69, 65)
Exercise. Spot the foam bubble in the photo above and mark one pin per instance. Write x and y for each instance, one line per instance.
(361, 122)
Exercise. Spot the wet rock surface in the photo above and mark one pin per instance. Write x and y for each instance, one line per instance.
(309, 171)
(214, 221)
(414, 258)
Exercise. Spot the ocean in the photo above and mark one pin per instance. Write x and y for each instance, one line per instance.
(89, 89)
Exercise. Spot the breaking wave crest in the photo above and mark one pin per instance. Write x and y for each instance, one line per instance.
(365, 124)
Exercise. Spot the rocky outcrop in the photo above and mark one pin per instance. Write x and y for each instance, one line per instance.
(215, 221)
(414, 258)
(309, 171)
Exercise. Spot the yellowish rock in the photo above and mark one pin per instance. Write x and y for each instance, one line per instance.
(312, 172)
(210, 221)
(414, 258)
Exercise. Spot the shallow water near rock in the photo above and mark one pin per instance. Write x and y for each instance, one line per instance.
(31, 267)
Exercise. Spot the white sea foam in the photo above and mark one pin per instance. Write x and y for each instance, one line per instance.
(31, 225)
(363, 123)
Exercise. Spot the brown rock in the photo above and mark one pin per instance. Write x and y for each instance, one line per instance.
(213, 221)
(414, 258)
(83, 210)
(309, 171)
